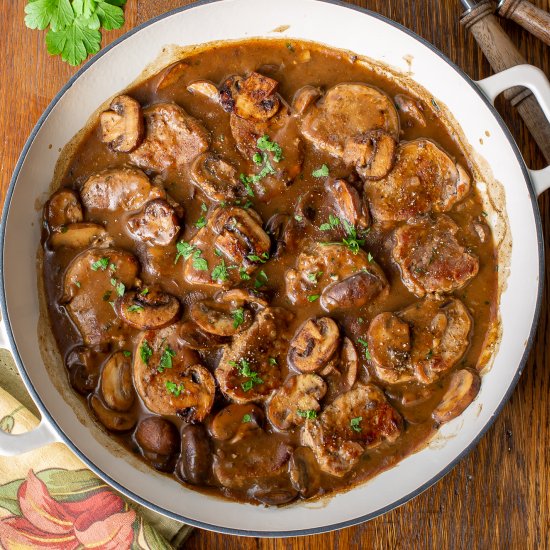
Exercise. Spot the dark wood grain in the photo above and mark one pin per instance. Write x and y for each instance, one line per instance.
(535, 20)
(499, 496)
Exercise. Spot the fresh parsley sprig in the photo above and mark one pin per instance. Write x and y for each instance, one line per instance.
(74, 25)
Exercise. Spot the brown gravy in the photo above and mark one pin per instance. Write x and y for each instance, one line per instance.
(293, 65)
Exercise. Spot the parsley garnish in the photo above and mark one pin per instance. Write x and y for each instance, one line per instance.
(187, 250)
(77, 283)
(298, 218)
(201, 222)
(322, 172)
(313, 297)
(355, 424)
(135, 308)
(145, 352)
(290, 47)
(173, 388)
(144, 292)
(238, 317)
(74, 26)
(313, 277)
(262, 259)
(243, 274)
(261, 280)
(272, 361)
(247, 418)
(370, 257)
(119, 287)
(166, 359)
(265, 144)
(220, 272)
(333, 223)
(365, 344)
(310, 414)
(101, 264)
(243, 367)
(126, 353)
(351, 241)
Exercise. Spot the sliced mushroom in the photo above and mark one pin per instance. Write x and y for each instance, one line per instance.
(193, 337)
(342, 278)
(116, 382)
(112, 420)
(348, 204)
(204, 88)
(357, 420)
(410, 111)
(362, 287)
(159, 441)
(169, 379)
(274, 497)
(78, 235)
(229, 90)
(236, 421)
(115, 188)
(149, 310)
(62, 209)
(88, 290)
(341, 372)
(122, 127)
(262, 347)
(195, 463)
(462, 390)
(157, 225)
(219, 318)
(83, 365)
(297, 400)
(314, 344)
(304, 472)
(256, 98)
(172, 75)
(217, 178)
(240, 297)
(304, 98)
(372, 154)
(286, 231)
(173, 138)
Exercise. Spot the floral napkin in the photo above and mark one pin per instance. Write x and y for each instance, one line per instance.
(49, 499)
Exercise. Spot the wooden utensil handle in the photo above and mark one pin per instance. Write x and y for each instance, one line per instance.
(535, 20)
(502, 54)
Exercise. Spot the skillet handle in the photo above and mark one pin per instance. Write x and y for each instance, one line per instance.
(533, 78)
(16, 444)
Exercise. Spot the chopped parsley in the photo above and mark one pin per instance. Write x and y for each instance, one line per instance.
(220, 272)
(119, 287)
(64, 228)
(201, 222)
(200, 264)
(166, 359)
(188, 250)
(144, 292)
(173, 388)
(261, 259)
(265, 144)
(134, 308)
(272, 361)
(290, 47)
(333, 223)
(77, 283)
(298, 218)
(238, 317)
(370, 257)
(322, 172)
(314, 277)
(261, 280)
(351, 241)
(126, 353)
(243, 274)
(145, 352)
(355, 424)
(313, 297)
(247, 418)
(365, 344)
(309, 414)
(243, 368)
(435, 105)
(101, 264)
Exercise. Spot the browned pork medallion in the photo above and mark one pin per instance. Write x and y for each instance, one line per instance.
(269, 271)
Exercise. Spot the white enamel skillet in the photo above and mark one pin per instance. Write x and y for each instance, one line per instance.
(340, 26)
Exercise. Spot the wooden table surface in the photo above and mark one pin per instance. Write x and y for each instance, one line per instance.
(499, 496)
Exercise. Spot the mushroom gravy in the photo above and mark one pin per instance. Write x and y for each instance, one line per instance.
(269, 273)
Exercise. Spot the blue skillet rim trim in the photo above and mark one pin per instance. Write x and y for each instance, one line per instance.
(298, 532)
